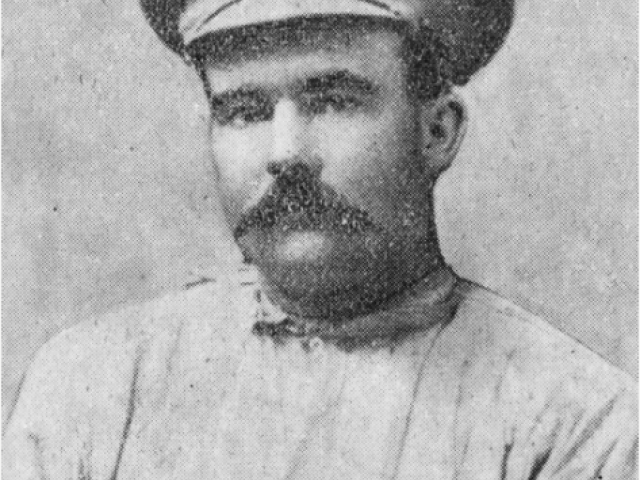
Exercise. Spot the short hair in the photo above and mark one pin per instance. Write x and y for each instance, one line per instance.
(424, 53)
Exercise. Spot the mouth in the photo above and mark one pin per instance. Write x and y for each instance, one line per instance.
(300, 202)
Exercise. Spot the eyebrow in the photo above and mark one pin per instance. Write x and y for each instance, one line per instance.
(244, 92)
(341, 79)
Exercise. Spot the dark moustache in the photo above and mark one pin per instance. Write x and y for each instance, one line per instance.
(299, 201)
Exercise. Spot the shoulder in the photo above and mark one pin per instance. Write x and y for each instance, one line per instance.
(538, 391)
(522, 333)
(122, 332)
(93, 362)
(126, 329)
(530, 353)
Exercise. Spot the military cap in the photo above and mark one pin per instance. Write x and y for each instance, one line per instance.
(471, 31)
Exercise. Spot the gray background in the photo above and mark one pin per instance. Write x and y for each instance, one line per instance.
(108, 198)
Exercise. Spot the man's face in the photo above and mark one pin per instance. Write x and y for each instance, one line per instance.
(318, 150)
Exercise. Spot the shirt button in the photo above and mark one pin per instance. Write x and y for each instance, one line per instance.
(316, 344)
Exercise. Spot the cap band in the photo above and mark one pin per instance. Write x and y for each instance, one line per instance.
(207, 16)
(471, 30)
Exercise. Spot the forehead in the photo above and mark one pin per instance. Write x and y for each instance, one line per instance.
(277, 59)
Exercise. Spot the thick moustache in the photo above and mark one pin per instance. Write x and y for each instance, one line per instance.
(299, 201)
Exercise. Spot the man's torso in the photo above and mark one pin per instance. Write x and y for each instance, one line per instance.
(180, 388)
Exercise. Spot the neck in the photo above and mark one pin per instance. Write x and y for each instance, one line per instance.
(428, 302)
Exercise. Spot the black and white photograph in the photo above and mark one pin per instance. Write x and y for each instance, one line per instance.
(320, 240)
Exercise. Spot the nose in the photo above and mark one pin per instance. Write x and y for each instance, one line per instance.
(290, 141)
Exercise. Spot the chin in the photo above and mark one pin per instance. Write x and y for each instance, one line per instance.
(326, 274)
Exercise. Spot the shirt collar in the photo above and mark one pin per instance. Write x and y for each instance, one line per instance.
(431, 301)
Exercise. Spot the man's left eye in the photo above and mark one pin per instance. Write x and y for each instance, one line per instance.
(323, 103)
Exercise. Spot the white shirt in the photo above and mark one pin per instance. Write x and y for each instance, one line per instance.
(180, 388)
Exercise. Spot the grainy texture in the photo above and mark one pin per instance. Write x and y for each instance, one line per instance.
(108, 194)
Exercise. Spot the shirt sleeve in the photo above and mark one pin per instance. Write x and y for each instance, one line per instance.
(36, 444)
(601, 443)
(61, 411)
(590, 440)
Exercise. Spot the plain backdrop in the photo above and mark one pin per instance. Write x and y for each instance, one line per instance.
(108, 193)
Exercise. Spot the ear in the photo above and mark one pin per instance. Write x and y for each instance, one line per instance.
(444, 124)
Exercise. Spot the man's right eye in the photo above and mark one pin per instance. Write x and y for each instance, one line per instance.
(240, 112)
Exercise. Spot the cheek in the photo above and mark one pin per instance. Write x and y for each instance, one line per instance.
(239, 152)
(374, 162)
(240, 157)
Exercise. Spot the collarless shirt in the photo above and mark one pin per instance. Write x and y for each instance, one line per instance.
(180, 388)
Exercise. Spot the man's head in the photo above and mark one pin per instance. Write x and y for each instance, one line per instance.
(327, 150)
(328, 134)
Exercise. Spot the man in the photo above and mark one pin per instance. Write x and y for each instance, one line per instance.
(345, 348)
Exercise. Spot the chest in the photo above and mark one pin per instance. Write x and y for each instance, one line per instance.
(284, 412)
